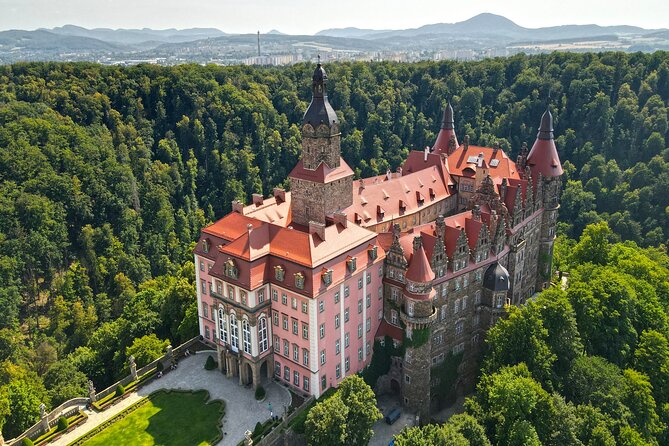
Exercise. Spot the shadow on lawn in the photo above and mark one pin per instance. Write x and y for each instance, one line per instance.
(188, 419)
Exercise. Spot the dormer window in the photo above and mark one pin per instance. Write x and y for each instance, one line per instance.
(351, 264)
(299, 280)
(231, 269)
(279, 273)
(373, 252)
(327, 276)
(205, 245)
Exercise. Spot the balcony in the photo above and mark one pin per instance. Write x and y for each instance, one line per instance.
(418, 321)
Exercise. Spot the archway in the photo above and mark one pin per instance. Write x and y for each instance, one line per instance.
(395, 386)
(249, 374)
(264, 371)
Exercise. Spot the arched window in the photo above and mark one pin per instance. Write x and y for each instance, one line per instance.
(222, 325)
(246, 331)
(234, 333)
(262, 334)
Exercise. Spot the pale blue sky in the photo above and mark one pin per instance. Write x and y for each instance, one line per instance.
(309, 16)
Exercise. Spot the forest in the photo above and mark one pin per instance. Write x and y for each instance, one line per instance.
(107, 174)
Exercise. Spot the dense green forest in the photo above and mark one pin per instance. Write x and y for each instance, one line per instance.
(107, 175)
(588, 365)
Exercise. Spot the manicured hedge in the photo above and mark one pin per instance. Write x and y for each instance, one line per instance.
(110, 399)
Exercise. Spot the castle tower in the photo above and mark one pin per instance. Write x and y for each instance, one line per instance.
(418, 314)
(321, 183)
(495, 289)
(447, 140)
(546, 172)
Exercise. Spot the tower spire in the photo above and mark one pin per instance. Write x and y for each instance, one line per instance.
(543, 157)
(446, 133)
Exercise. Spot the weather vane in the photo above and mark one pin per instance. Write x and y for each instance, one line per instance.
(319, 58)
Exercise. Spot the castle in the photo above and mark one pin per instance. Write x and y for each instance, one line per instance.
(300, 284)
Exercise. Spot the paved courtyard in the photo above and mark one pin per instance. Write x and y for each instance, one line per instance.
(242, 411)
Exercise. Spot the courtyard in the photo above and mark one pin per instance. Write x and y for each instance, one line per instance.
(242, 411)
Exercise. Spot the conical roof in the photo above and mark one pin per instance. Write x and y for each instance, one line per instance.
(419, 267)
(446, 132)
(320, 110)
(543, 157)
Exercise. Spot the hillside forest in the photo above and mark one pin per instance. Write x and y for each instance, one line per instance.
(107, 174)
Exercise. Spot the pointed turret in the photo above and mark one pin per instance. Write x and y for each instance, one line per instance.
(543, 157)
(446, 133)
(419, 270)
(320, 110)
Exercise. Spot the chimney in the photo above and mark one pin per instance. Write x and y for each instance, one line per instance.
(440, 225)
(237, 206)
(280, 195)
(466, 142)
(479, 161)
(399, 171)
(417, 243)
(249, 228)
(257, 199)
(340, 219)
(495, 149)
(476, 212)
(318, 229)
(389, 175)
(426, 152)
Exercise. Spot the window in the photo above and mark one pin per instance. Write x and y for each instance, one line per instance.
(456, 306)
(380, 314)
(336, 321)
(359, 353)
(351, 264)
(368, 278)
(347, 365)
(275, 318)
(295, 327)
(444, 290)
(407, 379)
(338, 371)
(201, 265)
(284, 321)
(395, 294)
(359, 306)
(262, 334)
(205, 311)
(359, 331)
(346, 291)
(322, 357)
(465, 281)
(206, 332)
(242, 295)
(326, 276)
(380, 292)
(279, 273)
(322, 331)
(410, 306)
(336, 297)
(203, 284)
(346, 315)
(305, 307)
(368, 302)
(499, 301)
(219, 288)
(231, 292)
(305, 331)
(284, 299)
(277, 368)
(369, 324)
(457, 284)
(393, 317)
(477, 319)
(293, 303)
(346, 340)
(246, 332)
(459, 348)
(299, 280)
(477, 298)
(360, 283)
(296, 353)
(261, 295)
(277, 344)
(286, 373)
(324, 382)
(305, 357)
(444, 309)
(438, 339)
(464, 303)
(337, 347)
(230, 269)
(459, 326)
(234, 332)
(367, 348)
(305, 383)
(321, 306)
(222, 325)
(275, 295)
(286, 347)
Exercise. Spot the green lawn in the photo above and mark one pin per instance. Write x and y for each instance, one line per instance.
(169, 418)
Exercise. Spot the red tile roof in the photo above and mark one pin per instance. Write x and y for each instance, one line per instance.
(503, 168)
(387, 329)
(323, 173)
(231, 226)
(419, 267)
(544, 159)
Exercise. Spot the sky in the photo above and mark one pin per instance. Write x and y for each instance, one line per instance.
(310, 16)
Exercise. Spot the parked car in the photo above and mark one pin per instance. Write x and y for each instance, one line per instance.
(392, 442)
(393, 415)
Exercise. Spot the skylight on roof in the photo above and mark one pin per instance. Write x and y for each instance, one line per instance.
(494, 163)
(473, 159)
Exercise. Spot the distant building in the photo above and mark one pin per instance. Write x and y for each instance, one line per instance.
(300, 284)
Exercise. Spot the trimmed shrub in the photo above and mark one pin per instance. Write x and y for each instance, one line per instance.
(210, 364)
(27, 442)
(120, 390)
(257, 431)
(260, 393)
(63, 424)
(160, 367)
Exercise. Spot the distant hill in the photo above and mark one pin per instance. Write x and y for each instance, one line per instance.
(277, 32)
(41, 40)
(488, 25)
(137, 36)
